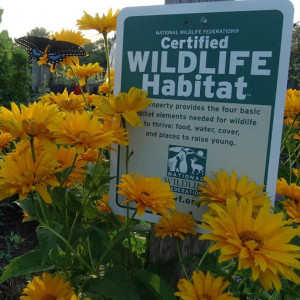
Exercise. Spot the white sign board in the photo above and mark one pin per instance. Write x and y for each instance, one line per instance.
(217, 75)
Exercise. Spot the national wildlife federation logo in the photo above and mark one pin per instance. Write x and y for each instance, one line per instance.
(187, 165)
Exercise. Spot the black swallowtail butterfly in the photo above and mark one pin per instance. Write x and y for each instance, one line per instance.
(56, 50)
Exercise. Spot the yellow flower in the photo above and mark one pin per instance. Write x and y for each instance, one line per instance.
(81, 131)
(148, 193)
(102, 205)
(175, 224)
(65, 102)
(31, 121)
(48, 288)
(289, 190)
(20, 174)
(5, 139)
(204, 287)
(224, 186)
(85, 71)
(125, 104)
(91, 155)
(293, 210)
(121, 135)
(290, 122)
(260, 243)
(292, 103)
(26, 217)
(65, 158)
(104, 24)
(71, 36)
(296, 136)
(90, 97)
(104, 88)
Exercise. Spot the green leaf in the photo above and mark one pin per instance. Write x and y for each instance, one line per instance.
(1, 13)
(290, 292)
(141, 228)
(31, 262)
(156, 285)
(47, 241)
(112, 218)
(28, 206)
(116, 284)
(9, 55)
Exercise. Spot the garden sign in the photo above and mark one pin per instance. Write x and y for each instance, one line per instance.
(217, 75)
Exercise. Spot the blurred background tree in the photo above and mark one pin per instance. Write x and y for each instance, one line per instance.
(39, 31)
(294, 69)
(14, 78)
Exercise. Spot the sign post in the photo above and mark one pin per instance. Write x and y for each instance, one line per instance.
(217, 75)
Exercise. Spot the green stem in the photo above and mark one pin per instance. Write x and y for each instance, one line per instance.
(94, 172)
(123, 121)
(180, 259)
(273, 295)
(80, 88)
(287, 134)
(203, 257)
(235, 266)
(73, 226)
(296, 159)
(70, 170)
(32, 148)
(107, 61)
(294, 152)
(69, 246)
(42, 208)
(258, 292)
(111, 245)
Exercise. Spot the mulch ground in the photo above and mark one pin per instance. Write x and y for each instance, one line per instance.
(12, 228)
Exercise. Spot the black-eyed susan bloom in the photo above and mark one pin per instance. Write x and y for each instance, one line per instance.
(126, 105)
(289, 190)
(175, 224)
(121, 135)
(85, 71)
(204, 287)
(48, 287)
(224, 186)
(292, 103)
(82, 131)
(20, 174)
(5, 139)
(260, 244)
(104, 87)
(292, 208)
(29, 121)
(147, 193)
(65, 102)
(104, 24)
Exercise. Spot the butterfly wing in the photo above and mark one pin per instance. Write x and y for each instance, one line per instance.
(35, 45)
(61, 49)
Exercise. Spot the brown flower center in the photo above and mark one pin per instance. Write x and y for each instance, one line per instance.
(246, 236)
(206, 297)
(33, 128)
(145, 193)
(84, 137)
(49, 297)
